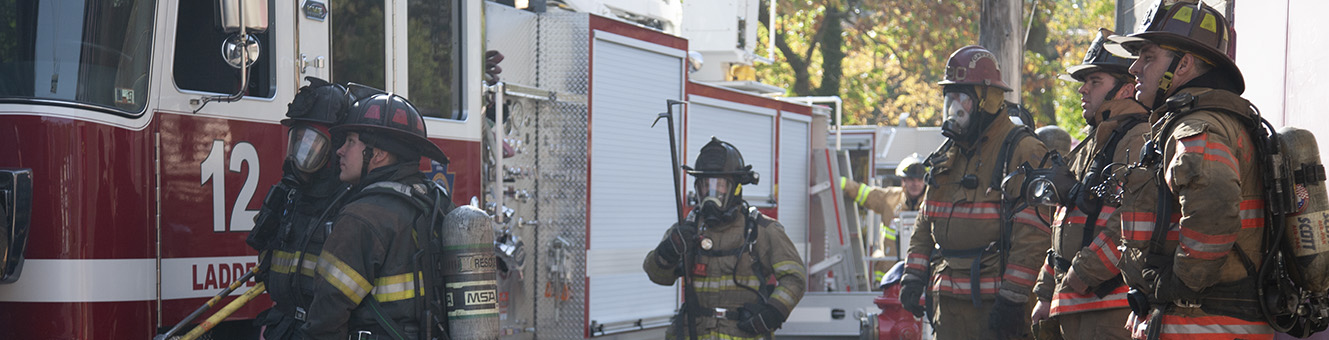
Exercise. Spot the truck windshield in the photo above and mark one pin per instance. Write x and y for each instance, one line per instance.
(90, 52)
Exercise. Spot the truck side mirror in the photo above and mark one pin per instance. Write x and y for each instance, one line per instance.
(239, 18)
(249, 15)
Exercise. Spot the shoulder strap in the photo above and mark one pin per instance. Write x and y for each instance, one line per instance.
(1004, 157)
(1101, 160)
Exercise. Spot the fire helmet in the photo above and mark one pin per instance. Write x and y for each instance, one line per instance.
(319, 102)
(1099, 59)
(721, 174)
(388, 121)
(1189, 27)
(973, 65)
(1055, 138)
(911, 167)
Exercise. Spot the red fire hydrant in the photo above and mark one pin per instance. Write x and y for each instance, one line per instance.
(893, 322)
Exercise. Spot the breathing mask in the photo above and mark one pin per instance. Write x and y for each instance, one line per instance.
(715, 196)
(308, 147)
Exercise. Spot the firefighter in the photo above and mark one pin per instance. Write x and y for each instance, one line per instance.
(284, 232)
(1056, 138)
(1193, 213)
(744, 271)
(889, 202)
(985, 263)
(368, 278)
(1080, 287)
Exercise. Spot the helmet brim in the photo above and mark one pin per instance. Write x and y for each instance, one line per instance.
(999, 84)
(1077, 73)
(1129, 47)
(426, 147)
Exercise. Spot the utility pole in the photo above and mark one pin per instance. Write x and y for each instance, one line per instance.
(1001, 31)
(1125, 17)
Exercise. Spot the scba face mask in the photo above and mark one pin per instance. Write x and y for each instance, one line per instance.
(714, 194)
(959, 108)
(307, 147)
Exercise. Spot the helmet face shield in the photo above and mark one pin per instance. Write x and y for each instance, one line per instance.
(308, 147)
(713, 190)
(714, 194)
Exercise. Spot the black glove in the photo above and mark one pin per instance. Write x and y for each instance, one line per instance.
(671, 249)
(1167, 287)
(1007, 320)
(759, 318)
(911, 289)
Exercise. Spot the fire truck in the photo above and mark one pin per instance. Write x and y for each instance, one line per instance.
(139, 138)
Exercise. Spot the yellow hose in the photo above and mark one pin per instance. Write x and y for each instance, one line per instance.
(225, 312)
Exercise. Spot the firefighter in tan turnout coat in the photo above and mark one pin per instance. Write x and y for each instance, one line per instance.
(980, 265)
(744, 271)
(1080, 286)
(1194, 212)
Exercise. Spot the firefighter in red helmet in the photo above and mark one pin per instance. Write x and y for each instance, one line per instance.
(1193, 210)
(368, 278)
(746, 274)
(1080, 287)
(976, 252)
(284, 232)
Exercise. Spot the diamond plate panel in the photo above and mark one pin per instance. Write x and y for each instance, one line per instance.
(563, 67)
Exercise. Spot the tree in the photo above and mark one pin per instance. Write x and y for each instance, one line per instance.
(889, 55)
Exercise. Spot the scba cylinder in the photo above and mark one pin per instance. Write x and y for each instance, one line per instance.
(1307, 231)
(469, 274)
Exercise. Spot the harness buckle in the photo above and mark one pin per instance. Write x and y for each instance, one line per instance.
(362, 335)
(1186, 304)
(300, 313)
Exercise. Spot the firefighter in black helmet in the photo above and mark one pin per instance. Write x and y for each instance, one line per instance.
(284, 235)
(1193, 208)
(367, 276)
(746, 273)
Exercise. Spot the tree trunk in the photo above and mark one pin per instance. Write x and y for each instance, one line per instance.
(1001, 32)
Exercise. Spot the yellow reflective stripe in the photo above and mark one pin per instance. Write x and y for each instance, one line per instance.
(723, 336)
(788, 267)
(343, 277)
(724, 283)
(394, 288)
(862, 194)
(308, 265)
(888, 232)
(784, 296)
(283, 262)
(842, 180)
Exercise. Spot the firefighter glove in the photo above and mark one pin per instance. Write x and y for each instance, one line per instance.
(760, 318)
(1168, 287)
(911, 290)
(1007, 319)
(671, 249)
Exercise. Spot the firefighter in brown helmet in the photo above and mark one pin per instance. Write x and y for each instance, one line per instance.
(746, 273)
(979, 255)
(1193, 211)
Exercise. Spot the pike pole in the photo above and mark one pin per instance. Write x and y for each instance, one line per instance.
(213, 302)
(689, 293)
